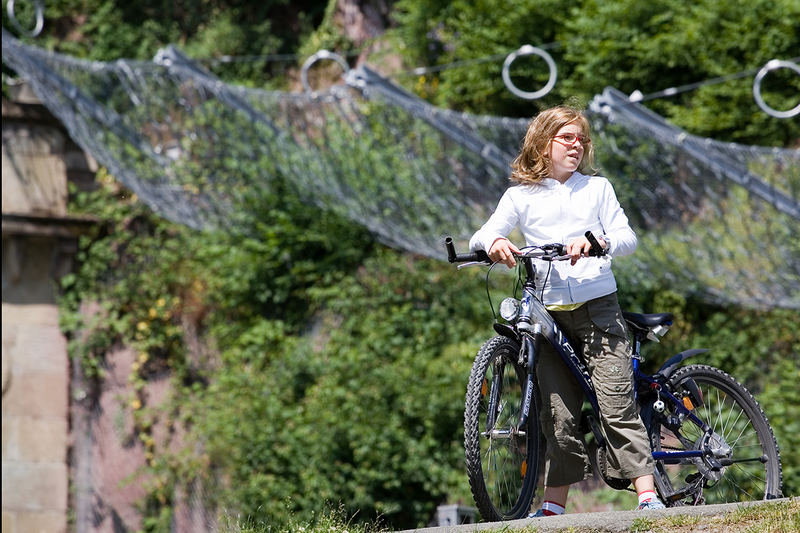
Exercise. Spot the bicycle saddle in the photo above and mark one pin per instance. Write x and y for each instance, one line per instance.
(648, 320)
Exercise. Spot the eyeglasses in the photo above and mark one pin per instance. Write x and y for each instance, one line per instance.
(570, 138)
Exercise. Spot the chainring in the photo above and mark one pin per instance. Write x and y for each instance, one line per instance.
(602, 466)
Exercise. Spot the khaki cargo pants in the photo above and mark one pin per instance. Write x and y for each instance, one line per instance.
(598, 333)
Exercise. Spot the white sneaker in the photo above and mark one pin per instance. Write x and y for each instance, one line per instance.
(651, 505)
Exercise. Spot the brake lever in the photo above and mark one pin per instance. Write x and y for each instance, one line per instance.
(472, 264)
(596, 250)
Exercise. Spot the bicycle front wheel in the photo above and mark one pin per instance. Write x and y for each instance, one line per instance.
(502, 459)
(742, 442)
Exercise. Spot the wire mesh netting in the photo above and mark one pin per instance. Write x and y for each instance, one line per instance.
(718, 219)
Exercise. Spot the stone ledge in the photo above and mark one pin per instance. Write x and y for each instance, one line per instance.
(51, 226)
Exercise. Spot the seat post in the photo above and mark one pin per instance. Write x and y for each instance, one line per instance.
(636, 351)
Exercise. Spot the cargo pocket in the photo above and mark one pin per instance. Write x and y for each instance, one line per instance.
(615, 395)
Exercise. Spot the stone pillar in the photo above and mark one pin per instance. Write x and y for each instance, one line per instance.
(39, 241)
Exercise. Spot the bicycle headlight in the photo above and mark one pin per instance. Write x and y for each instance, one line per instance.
(509, 309)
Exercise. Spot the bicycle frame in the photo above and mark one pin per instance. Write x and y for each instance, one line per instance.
(535, 325)
(670, 402)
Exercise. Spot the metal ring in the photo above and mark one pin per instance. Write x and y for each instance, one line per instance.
(39, 7)
(527, 50)
(773, 65)
(322, 54)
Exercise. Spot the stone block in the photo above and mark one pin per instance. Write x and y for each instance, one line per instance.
(34, 173)
(6, 380)
(38, 349)
(9, 522)
(41, 190)
(35, 439)
(9, 438)
(42, 522)
(36, 395)
(41, 314)
(28, 263)
(34, 486)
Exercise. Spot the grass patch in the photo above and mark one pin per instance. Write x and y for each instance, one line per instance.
(774, 517)
(642, 524)
(335, 521)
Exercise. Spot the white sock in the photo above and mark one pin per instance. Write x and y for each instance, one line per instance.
(647, 495)
(552, 507)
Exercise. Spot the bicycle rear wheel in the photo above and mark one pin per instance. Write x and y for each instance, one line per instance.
(502, 460)
(742, 439)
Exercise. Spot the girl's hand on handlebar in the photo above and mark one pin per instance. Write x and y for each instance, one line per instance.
(502, 251)
(580, 247)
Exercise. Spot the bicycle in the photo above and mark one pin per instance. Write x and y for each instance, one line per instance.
(710, 439)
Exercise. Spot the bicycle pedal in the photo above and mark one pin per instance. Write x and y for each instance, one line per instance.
(692, 477)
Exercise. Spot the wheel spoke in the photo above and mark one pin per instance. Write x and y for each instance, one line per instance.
(501, 458)
(739, 430)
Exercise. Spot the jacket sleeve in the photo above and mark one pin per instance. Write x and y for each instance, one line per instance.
(504, 219)
(615, 224)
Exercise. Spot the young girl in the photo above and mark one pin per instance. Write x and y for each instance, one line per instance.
(554, 201)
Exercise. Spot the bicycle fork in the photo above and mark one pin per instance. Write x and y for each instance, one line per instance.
(531, 340)
(528, 357)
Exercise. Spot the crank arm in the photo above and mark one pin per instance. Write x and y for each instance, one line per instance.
(694, 484)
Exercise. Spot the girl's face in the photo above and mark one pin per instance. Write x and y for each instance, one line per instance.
(566, 151)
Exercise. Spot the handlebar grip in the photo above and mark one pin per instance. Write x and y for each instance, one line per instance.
(597, 250)
(481, 255)
(453, 257)
(451, 249)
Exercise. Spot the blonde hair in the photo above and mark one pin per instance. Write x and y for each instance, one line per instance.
(533, 163)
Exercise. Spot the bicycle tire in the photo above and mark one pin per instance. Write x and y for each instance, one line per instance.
(741, 433)
(502, 467)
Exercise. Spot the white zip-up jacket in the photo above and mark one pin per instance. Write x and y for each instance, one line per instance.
(555, 212)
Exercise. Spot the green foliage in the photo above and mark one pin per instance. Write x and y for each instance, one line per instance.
(327, 35)
(312, 401)
(655, 45)
(332, 384)
(365, 409)
(176, 296)
(107, 30)
(131, 295)
(436, 32)
(629, 45)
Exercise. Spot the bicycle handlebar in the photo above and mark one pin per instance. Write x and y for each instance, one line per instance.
(479, 256)
(597, 250)
(551, 252)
